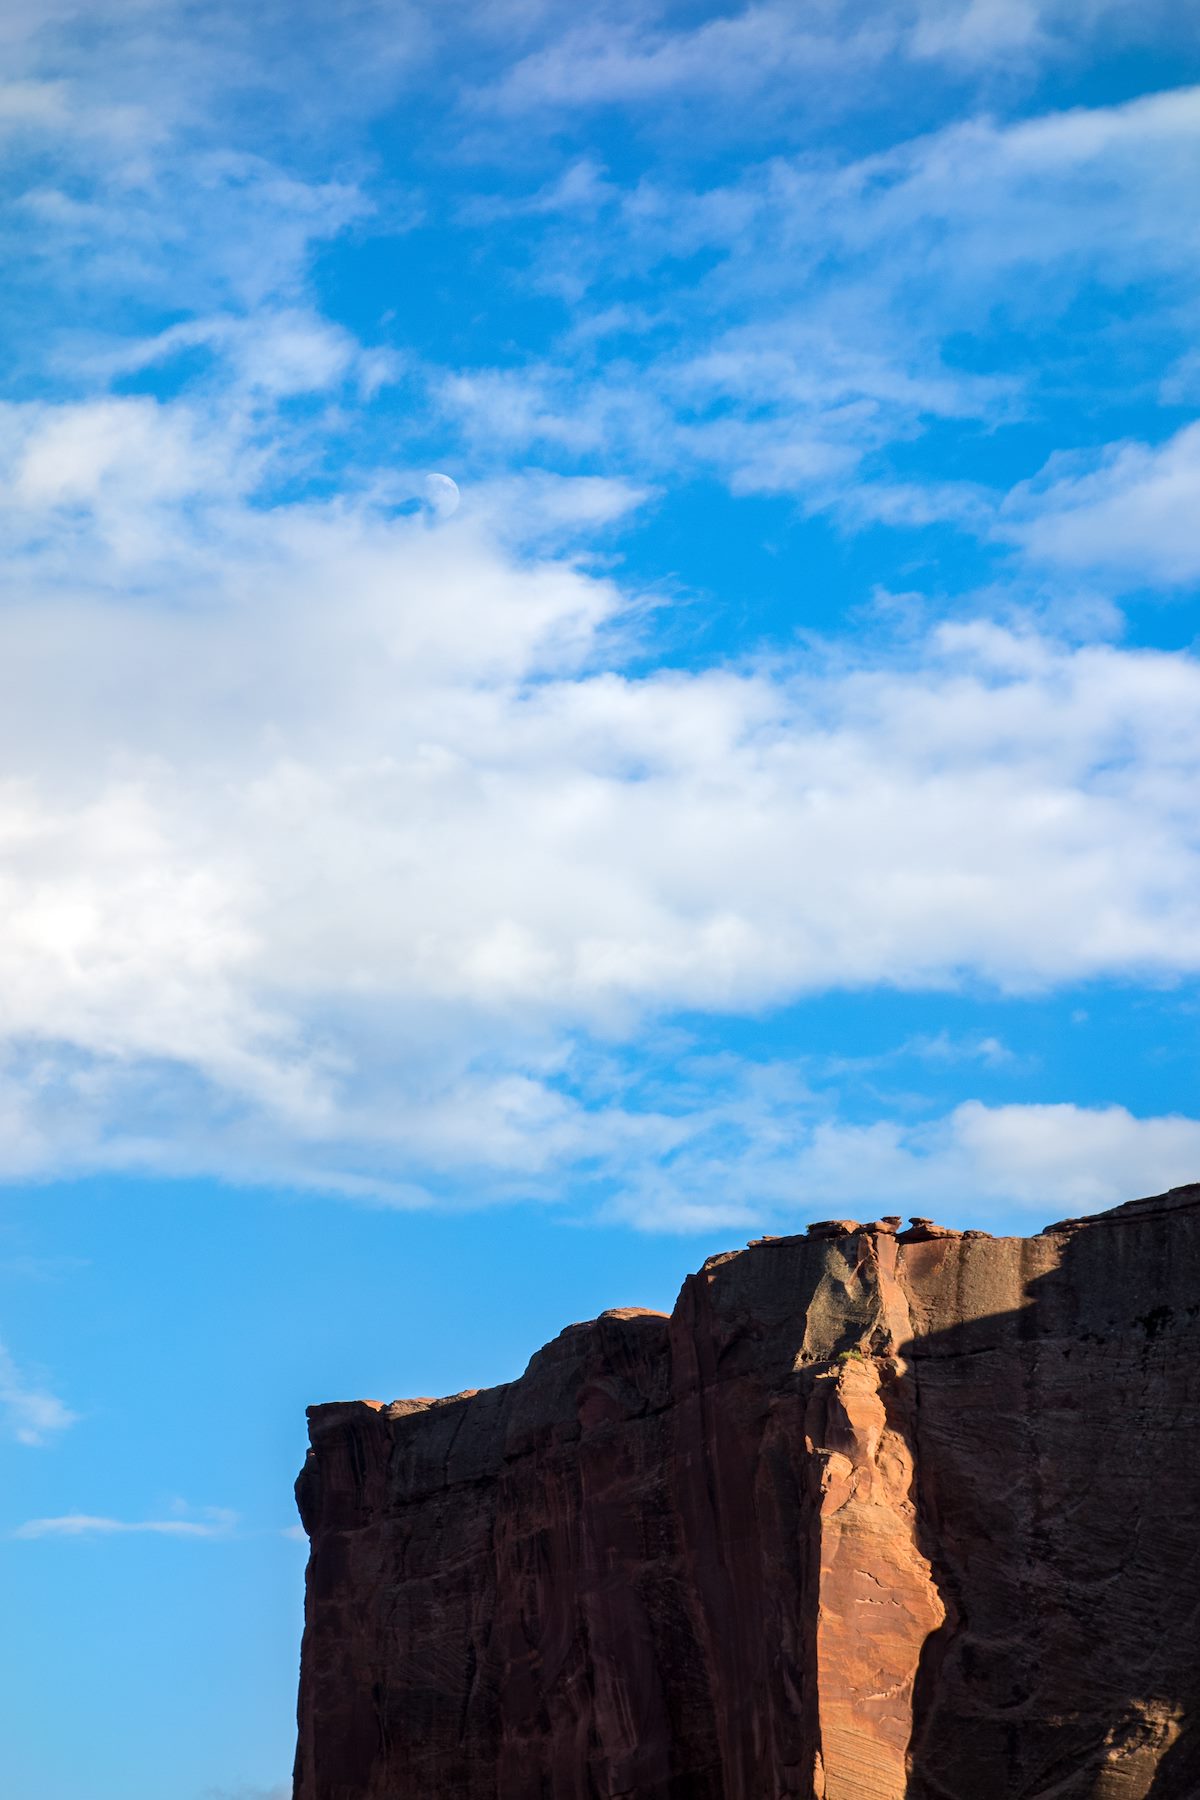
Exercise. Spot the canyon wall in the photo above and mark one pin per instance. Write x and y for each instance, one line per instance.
(869, 1516)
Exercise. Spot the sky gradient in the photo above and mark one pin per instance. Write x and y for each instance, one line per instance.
(597, 655)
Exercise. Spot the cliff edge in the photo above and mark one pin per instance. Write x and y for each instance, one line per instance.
(873, 1515)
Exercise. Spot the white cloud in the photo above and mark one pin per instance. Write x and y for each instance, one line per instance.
(1044, 195)
(778, 1167)
(178, 72)
(955, 30)
(544, 509)
(58, 112)
(30, 1411)
(521, 408)
(1085, 1158)
(336, 834)
(33, 103)
(216, 1523)
(113, 458)
(1000, 34)
(331, 834)
(1132, 512)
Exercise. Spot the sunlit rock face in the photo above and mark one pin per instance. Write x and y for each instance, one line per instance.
(871, 1516)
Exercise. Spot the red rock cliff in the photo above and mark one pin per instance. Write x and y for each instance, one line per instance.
(866, 1518)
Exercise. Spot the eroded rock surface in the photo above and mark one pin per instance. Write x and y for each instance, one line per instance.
(871, 1516)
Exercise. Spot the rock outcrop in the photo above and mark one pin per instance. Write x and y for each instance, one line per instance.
(873, 1514)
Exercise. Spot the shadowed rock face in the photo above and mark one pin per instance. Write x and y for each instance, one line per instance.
(868, 1517)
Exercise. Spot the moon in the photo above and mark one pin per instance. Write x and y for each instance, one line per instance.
(442, 494)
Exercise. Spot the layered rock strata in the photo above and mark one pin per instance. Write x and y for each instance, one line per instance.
(871, 1515)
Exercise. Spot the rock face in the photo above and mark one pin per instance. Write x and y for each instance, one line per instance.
(869, 1516)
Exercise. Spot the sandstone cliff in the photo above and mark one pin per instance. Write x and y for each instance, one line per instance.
(866, 1517)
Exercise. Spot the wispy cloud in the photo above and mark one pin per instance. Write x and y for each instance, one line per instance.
(816, 56)
(281, 1792)
(275, 352)
(215, 1522)
(30, 1411)
(828, 299)
(610, 61)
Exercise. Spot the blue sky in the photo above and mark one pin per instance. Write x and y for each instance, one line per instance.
(597, 655)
